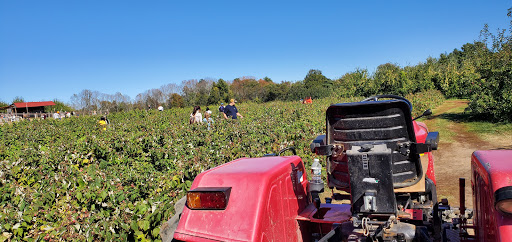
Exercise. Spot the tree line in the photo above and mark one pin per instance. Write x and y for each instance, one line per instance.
(480, 71)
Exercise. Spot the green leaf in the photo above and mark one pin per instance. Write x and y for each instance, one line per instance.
(140, 235)
(134, 225)
(155, 232)
(22, 205)
(143, 225)
(103, 195)
(146, 225)
(27, 218)
(125, 226)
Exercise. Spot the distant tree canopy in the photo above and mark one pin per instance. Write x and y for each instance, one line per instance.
(18, 99)
(480, 71)
(59, 106)
(3, 104)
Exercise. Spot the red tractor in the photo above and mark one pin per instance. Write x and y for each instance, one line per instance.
(381, 161)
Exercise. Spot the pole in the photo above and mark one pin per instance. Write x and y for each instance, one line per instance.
(462, 195)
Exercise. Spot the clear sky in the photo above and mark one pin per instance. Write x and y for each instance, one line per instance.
(53, 49)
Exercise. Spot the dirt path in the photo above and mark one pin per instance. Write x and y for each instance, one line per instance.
(453, 158)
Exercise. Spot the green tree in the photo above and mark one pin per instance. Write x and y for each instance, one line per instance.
(424, 75)
(59, 106)
(492, 92)
(176, 101)
(18, 99)
(214, 97)
(224, 90)
(317, 85)
(3, 104)
(387, 79)
(246, 88)
(276, 91)
(297, 91)
(350, 84)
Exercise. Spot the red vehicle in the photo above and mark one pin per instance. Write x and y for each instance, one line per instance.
(379, 157)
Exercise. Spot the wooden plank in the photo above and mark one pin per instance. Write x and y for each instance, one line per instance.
(420, 186)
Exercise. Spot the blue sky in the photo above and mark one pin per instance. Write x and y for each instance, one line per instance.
(54, 49)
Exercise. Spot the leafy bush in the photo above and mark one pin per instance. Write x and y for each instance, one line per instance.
(424, 100)
(492, 93)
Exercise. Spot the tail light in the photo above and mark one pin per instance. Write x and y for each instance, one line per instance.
(503, 199)
(215, 198)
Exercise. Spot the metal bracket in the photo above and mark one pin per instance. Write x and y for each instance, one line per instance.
(420, 148)
(323, 149)
(329, 150)
(414, 148)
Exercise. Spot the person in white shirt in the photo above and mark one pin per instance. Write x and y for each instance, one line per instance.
(196, 116)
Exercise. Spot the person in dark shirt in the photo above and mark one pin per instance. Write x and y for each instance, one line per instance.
(221, 108)
(230, 111)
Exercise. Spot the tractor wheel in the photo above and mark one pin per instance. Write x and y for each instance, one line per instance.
(168, 228)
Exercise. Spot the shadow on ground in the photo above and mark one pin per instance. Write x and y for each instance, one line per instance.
(459, 117)
(463, 118)
(506, 147)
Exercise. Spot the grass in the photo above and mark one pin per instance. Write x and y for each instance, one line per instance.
(442, 126)
(455, 113)
(481, 127)
(492, 132)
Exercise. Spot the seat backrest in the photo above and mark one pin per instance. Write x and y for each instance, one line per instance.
(386, 122)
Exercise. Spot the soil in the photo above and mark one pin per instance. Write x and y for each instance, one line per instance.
(452, 160)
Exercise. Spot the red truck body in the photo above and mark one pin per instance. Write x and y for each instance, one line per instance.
(421, 131)
(491, 170)
(266, 196)
(269, 201)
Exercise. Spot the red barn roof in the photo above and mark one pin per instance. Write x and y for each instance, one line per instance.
(33, 104)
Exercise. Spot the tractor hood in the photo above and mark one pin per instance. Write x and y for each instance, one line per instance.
(266, 195)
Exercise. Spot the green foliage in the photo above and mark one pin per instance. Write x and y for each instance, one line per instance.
(349, 85)
(424, 100)
(3, 104)
(491, 93)
(276, 91)
(59, 106)
(70, 180)
(317, 85)
(214, 97)
(387, 79)
(224, 92)
(176, 101)
(18, 99)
